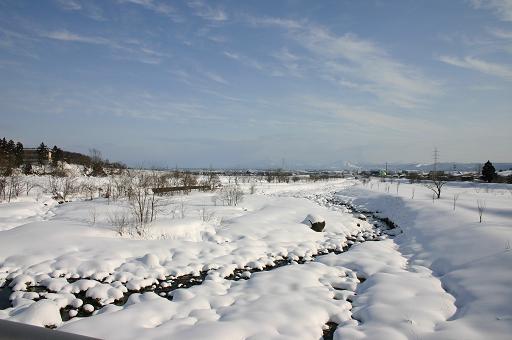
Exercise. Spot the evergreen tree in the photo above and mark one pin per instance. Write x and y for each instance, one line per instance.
(27, 169)
(57, 155)
(4, 155)
(19, 154)
(488, 172)
(7, 154)
(42, 151)
(11, 147)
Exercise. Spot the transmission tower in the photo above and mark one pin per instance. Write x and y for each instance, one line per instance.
(436, 159)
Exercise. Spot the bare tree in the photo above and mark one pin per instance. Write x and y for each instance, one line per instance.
(143, 202)
(3, 187)
(92, 216)
(206, 216)
(214, 200)
(120, 185)
(212, 179)
(413, 192)
(436, 181)
(188, 179)
(62, 187)
(182, 208)
(89, 187)
(11, 186)
(121, 222)
(231, 194)
(29, 185)
(481, 208)
(455, 198)
(95, 156)
(96, 162)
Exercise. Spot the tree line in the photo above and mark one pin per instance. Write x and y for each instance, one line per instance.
(11, 153)
(12, 156)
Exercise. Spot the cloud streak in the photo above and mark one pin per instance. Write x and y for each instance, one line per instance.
(64, 35)
(217, 78)
(368, 117)
(131, 49)
(88, 8)
(493, 69)
(202, 10)
(501, 8)
(158, 7)
(363, 63)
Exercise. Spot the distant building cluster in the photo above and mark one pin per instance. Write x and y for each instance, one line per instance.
(34, 156)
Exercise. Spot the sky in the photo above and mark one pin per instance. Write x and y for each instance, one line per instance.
(255, 83)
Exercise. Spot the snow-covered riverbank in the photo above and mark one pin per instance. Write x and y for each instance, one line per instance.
(472, 261)
(445, 277)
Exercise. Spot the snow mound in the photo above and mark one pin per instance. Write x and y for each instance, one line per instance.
(41, 313)
(187, 229)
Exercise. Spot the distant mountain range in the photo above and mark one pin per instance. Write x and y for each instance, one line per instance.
(447, 166)
(347, 165)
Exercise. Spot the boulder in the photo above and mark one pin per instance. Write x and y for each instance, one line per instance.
(315, 222)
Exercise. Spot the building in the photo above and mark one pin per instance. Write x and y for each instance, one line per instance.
(31, 156)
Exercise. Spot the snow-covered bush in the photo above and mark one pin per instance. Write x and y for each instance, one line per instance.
(144, 204)
(11, 187)
(121, 222)
(252, 188)
(142, 200)
(480, 204)
(89, 187)
(231, 194)
(206, 215)
(62, 187)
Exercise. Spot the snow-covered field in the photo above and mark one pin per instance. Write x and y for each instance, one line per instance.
(256, 271)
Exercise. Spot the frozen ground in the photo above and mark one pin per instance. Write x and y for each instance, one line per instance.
(256, 272)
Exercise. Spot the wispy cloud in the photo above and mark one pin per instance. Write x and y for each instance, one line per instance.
(500, 33)
(493, 69)
(131, 49)
(217, 78)
(159, 7)
(491, 40)
(64, 35)
(368, 117)
(278, 22)
(347, 57)
(285, 55)
(232, 55)
(287, 65)
(245, 60)
(17, 43)
(203, 10)
(88, 8)
(69, 5)
(502, 8)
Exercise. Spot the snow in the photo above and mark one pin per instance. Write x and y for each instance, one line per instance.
(505, 173)
(445, 276)
(471, 261)
(41, 313)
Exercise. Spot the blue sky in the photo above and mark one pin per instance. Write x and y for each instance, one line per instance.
(242, 83)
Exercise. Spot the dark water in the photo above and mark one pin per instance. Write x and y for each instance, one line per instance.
(5, 292)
